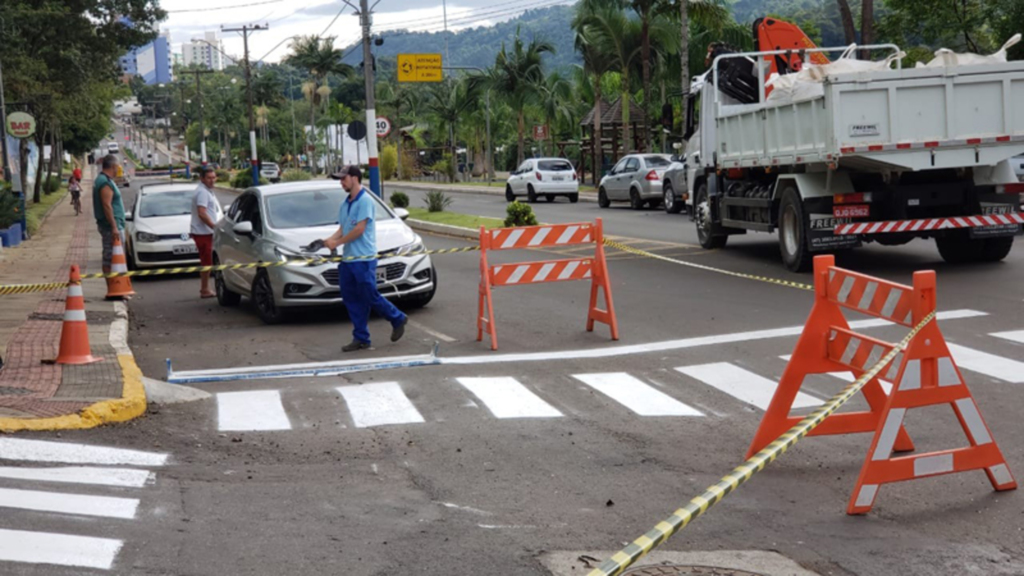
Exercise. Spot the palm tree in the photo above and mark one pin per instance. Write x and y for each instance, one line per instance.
(398, 98)
(596, 65)
(555, 92)
(319, 58)
(708, 14)
(447, 102)
(616, 37)
(515, 75)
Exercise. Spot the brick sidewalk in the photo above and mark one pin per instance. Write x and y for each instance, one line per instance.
(30, 388)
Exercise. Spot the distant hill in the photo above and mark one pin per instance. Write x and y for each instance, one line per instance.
(479, 46)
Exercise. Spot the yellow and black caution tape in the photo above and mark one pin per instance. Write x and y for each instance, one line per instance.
(26, 288)
(733, 480)
(639, 252)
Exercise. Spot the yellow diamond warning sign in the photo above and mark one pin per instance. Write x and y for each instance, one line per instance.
(419, 68)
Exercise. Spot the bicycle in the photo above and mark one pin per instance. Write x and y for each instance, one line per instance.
(76, 198)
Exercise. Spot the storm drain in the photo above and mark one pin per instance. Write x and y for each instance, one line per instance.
(680, 570)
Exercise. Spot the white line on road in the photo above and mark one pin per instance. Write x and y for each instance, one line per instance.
(848, 376)
(637, 396)
(432, 332)
(59, 549)
(1014, 335)
(987, 364)
(743, 384)
(44, 451)
(379, 404)
(81, 475)
(507, 398)
(105, 506)
(251, 411)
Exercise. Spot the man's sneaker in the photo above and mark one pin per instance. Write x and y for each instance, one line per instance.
(355, 345)
(398, 331)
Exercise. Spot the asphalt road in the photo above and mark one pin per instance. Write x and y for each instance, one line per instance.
(489, 464)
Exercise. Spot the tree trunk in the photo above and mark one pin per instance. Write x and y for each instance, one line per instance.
(398, 144)
(624, 101)
(847, 17)
(684, 46)
(23, 166)
(867, 20)
(53, 154)
(311, 138)
(597, 134)
(645, 39)
(521, 127)
(40, 138)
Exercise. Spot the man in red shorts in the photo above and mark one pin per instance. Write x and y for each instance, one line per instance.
(204, 207)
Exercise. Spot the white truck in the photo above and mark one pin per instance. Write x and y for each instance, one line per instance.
(882, 156)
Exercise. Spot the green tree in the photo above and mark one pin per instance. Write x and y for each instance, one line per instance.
(515, 76)
(320, 59)
(555, 92)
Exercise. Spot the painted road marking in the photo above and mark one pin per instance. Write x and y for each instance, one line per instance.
(1014, 335)
(379, 404)
(743, 384)
(81, 475)
(439, 335)
(44, 451)
(634, 394)
(987, 364)
(848, 376)
(105, 506)
(251, 411)
(507, 398)
(59, 549)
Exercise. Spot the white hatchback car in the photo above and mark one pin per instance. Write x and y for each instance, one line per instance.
(157, 227)
(547, 177)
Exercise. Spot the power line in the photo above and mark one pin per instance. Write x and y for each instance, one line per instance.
(470, 20)
(336, 16)
(224, 7)
(486, 9)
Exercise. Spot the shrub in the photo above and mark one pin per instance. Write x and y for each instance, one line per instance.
(388, 162)
(244, 179)
(445, 166)
(9, 213)
(519, 214)
(222, 175)
(52, 184)
(399, 200)
(295, 175)
(437, 201)
(408, 168)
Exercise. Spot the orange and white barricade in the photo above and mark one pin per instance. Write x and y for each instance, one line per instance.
(925, 374)
(592, 268)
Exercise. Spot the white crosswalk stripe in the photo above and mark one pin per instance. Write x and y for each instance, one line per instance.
(632, 393)
(379, 404)
(507, 398)
(1013, 335)
(251, 411)
(58, 549)
(743, 384)
(987, 364)
(64, 503)
(81, 475)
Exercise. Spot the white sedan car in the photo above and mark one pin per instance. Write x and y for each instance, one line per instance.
(157, 227)
(547, 177)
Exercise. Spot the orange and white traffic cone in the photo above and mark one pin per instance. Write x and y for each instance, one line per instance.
(119, 286)
(74, 335)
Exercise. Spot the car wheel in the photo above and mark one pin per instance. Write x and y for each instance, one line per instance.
(421, 300)
(635, 202)
(574, 198)
(509, 196)
(707, 233)
(793, 244)
(130, 257)
(225, 297)
(602, 199)
(531, 194)
(263, 298)
(672, 204)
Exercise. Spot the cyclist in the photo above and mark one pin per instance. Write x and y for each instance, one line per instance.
(75, 187)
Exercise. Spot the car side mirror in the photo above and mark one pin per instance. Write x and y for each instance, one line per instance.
(129, 217)
(243, 228)
(401, 213)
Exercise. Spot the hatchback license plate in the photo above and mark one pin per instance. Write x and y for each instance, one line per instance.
(558, 178)
(185, 249)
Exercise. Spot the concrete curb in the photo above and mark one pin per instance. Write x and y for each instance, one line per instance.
(444, 229)
(129, 406)
(584, 196)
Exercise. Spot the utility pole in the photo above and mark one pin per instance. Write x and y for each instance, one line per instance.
(365, 18)
(295, 163)
(3, 131)
(245, 30)
(199, 99)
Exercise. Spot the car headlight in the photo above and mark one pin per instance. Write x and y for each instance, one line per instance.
(412, 248)
(290, 257)
(147, 237)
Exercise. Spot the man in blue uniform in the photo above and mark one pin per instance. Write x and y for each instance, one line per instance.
(358, 278)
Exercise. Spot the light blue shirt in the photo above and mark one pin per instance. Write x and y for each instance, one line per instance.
(351, 213)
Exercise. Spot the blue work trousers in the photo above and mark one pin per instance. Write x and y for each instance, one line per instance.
(358, 283)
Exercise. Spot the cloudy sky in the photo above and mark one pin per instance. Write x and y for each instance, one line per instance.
(287, 18)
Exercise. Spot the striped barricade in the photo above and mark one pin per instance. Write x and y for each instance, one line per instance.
(593, 268)
(925, 374)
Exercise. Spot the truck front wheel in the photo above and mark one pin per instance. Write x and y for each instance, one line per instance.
(793, 232)
(708, 233)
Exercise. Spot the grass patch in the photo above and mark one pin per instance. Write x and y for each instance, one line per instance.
(34, 212)
(455, 219)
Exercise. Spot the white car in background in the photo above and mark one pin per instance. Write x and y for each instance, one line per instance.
(157, 227)
(271, 171)
(547, 177)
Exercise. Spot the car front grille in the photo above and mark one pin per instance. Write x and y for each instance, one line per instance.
(394, 271)
(165, 257)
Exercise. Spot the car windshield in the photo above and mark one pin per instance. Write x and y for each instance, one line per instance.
(656, 161)
(270, 165)
(166, 204)
(312, 208)
(554, 166)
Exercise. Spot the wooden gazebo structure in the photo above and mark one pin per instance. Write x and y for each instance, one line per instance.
(611, 146)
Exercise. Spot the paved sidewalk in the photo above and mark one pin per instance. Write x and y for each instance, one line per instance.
(44, 396)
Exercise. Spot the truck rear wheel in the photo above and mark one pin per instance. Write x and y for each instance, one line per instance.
(996, 248)
(793, 232)
(708, 233)
(958, 248)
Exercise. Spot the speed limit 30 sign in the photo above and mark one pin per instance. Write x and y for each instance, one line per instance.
(383, 127)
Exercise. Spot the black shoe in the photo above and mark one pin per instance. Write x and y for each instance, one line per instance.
(398, 331)
(355, 345)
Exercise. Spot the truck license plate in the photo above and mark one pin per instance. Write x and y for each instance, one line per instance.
(851, 211)
(185, 249)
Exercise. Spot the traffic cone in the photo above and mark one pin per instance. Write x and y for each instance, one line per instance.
(119, 286)
(74, 335)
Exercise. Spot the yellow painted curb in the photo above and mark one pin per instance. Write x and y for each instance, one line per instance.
(132, 404)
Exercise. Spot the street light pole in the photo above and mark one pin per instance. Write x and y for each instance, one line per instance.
(253, 159)
(202, 128)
